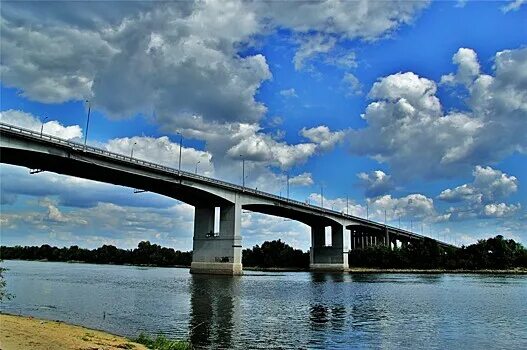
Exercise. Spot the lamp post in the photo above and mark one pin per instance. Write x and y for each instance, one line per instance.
(180, 148)
(196, 172)
(287, 185)
(132, 152)
(87, 122)
(42, 126)
(243, 171)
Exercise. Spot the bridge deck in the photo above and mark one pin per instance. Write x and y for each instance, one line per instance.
(7, 129)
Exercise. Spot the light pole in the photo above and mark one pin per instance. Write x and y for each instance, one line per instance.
(42, 127)
(287, 175)
(243, 171)
(87, 122)
(132, 152)
(196, 172)
(180, 147)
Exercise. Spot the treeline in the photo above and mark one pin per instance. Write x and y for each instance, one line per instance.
(145, 254)
(270, 254)
(275, 254)
(494, 253)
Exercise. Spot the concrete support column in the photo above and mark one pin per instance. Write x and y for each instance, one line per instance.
(362, 239)
(387, 239)
(217, 252)
(323, 258)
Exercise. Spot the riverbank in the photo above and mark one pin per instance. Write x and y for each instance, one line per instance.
(21, 332)
(517, 271)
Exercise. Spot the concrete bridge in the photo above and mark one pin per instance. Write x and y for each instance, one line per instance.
(213, 252)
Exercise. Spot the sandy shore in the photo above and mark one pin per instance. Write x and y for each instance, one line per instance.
(21, 333)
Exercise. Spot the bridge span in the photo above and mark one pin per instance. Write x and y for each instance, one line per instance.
(213, 252)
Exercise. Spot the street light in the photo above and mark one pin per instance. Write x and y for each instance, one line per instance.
(180, 148)
(243, 171)
(42, 127)
(87, 122)
(132, 153)
(196, 172)
(287, 185)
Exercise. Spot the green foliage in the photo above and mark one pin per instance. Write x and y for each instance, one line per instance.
(145, 254)
(275, 254)
(162, 343)
(494, 253)
(4, 295)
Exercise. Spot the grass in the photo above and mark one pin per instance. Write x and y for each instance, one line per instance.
(161, 342)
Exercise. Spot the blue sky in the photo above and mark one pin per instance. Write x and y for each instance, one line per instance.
(418, 109)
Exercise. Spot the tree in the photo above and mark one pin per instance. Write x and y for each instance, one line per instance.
(4, 295)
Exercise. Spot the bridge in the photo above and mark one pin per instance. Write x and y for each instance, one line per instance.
(213, 252)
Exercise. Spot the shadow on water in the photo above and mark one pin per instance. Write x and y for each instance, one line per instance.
(325, 277)
(211, 310)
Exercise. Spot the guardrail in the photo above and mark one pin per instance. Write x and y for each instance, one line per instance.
(102, 152)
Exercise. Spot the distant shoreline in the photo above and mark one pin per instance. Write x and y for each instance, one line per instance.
(353, 270)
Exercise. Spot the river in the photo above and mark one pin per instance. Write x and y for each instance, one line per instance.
(278, 310)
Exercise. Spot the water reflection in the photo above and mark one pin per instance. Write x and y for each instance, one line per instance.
(212, 310)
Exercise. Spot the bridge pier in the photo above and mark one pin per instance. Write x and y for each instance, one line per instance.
(217, 252)
(327, 258)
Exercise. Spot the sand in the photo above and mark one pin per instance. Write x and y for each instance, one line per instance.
(21, 333)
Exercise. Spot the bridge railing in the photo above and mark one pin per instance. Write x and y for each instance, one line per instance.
(181, 173)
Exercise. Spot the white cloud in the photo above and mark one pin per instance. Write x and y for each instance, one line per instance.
(513, 6)
(467, 68)
(489, 185)
(311, 46)
(303, 179)
(353, 84)
(500, 210)
(413, 206)
(375, 183)
(288, 93)
(321, 135)
(406, 114)
(259, 147)
(29, 121)
(162, 151)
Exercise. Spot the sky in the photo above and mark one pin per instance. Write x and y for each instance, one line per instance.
(413, 112)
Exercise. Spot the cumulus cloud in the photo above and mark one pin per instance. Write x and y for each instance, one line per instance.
(135, 58)
(489, 185)
(259, 147)
(413, 206)
(375, 183)
(406, 114)
(500, 210)
(303, 179)
(467, 68)
(481, 197)
(322, 136)
(29, 121)
(162, 151)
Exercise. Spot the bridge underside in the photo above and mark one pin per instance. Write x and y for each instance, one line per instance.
(213, 252)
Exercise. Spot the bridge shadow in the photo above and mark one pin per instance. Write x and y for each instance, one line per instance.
(212, 311)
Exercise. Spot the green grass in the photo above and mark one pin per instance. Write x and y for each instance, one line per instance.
(161, 342)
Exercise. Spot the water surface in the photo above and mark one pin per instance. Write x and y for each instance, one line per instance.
(278, 310)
